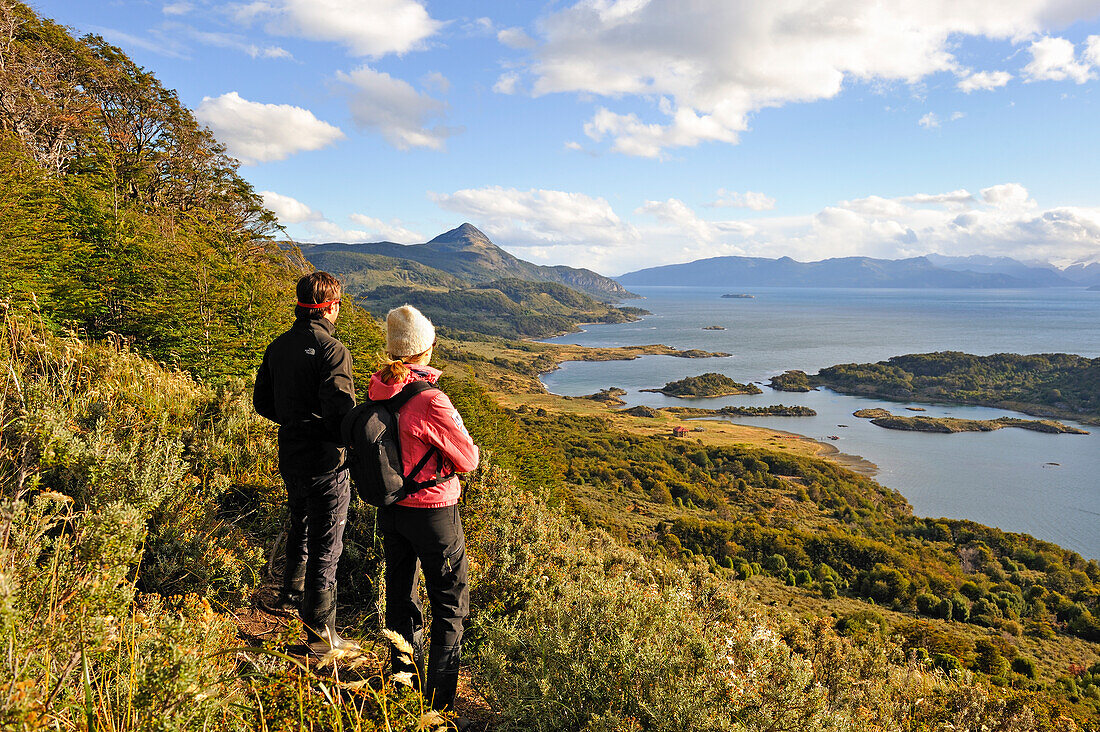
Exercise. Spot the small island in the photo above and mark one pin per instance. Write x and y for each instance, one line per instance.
(772, 410)
(706, 385)
(792, 380)
(738, 296)
(947, 425)
(612, 396)
(699, 353)
(871, 413)
(714, 327)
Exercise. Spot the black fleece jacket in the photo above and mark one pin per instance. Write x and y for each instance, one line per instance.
(305, 386)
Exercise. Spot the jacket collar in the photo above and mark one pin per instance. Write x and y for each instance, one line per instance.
(379, 390)
(315, 324)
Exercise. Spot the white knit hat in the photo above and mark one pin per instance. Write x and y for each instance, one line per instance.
(408, 332)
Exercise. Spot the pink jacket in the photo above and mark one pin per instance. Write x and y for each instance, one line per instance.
(429, 419)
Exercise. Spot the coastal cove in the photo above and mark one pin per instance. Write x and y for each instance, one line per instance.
(1016, 480)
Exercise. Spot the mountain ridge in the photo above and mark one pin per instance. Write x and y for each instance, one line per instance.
(467, 252)
(913, 272)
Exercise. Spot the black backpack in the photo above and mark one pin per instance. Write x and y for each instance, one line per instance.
(374, 455)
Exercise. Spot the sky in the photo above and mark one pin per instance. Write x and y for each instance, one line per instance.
(621, 134)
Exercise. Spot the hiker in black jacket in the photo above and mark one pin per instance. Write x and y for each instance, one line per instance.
(305, 385)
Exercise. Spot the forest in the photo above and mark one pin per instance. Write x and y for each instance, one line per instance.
(140, 501)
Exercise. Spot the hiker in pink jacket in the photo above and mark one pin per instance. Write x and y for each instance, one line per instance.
(424, 530)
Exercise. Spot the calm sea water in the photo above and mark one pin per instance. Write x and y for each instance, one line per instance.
(1017, 480)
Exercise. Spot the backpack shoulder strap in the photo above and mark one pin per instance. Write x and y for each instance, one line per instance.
(411, 389)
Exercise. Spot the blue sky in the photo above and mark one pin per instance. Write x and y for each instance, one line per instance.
(617, 134)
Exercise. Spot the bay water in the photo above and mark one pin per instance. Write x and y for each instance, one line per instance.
(1017, 480)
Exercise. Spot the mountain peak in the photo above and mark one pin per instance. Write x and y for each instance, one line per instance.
(466, 236)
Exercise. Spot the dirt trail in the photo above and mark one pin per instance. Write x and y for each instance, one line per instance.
(256, 626)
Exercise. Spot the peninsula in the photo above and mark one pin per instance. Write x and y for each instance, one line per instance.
(946, 425)
(1058, 385)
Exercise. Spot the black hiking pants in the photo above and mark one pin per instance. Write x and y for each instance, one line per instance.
(430, 539)
(318, 513)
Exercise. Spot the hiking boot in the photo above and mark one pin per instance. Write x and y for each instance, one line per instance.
(319, 618)
(290, 596)
(287, 603)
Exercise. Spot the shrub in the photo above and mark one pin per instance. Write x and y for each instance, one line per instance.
(1025, 666)
(104, 426)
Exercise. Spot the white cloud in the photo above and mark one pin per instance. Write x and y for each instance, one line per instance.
(255, 132)
(574, 145)
(707, 65)
(953, 199)
(366, 27)
(560, 227)
(289, 210)
(516, 38)
(506, 84)
(391, 231)
(984, 80)
(180, 8)
(1003, 221)
(436, 80)
(328, 231)
(957, 116)
(1055, 59)
(929, 121)
(749, 199)
(540, 218)
(1007, 195)
(164, 46)
(1092, 50)
(396, 110)
(230, 40)
(318, 227)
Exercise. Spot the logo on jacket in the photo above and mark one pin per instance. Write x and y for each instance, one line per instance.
(311, 352)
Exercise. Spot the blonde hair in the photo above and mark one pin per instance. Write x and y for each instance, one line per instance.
(394, 372)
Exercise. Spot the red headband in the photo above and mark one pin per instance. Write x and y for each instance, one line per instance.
(318, 305)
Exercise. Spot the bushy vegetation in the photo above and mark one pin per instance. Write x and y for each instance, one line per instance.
(135, 503)
(706, 385)
(827, 529)
(574, 631)
(1054, 384)
(790, 381)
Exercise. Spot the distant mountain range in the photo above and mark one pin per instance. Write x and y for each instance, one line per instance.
(931, 271)
(457, 257)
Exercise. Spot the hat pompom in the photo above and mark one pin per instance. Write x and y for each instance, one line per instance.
(408, 332)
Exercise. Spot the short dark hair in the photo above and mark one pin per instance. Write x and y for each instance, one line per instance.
(313, 289)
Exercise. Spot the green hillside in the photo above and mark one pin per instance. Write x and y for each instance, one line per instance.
(511, 308)
(361, 272)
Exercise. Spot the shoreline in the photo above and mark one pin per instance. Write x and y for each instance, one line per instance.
(823, 450)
